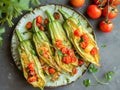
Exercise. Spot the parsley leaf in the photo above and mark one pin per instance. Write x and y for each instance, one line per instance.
(93, 69)
(87, 82)
(109, 75)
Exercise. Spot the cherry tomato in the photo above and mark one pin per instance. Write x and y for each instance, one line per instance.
(64, 50)
(94, 11)
(77, 3)
(106, 26)
(85, 38)
(80, 62)
(41, 28)
(111, 11)
(77, 33)
(74, 59)
(39, 19)
(115, 2)
(32, 79)
(28, 25)
(38, 24)
(31, 66)
(46, 21)
(70, 52)
(100, 2)
(66, 59)
(74, 71)
(94, 51)
(51, 70)
(56, 15)
(84, 44)
(58, 43)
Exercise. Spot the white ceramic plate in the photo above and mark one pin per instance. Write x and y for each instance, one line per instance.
(64, 78)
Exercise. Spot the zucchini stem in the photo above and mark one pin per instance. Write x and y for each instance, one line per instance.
(64, 14)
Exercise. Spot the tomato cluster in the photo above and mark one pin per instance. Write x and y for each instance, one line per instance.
(106, 8)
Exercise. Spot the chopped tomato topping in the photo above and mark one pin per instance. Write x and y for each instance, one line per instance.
(58, 43)
(94, 51)
(84, 44)
(74, 59)
(80, 62)
(41, 28)
(70, 52)
(77, 33)
(28, 25)
(31, 66)
(85, 38)
(45, 55)
(39, 19)
(38, 24)
(56, 15)
(74, 71)
(32, 79)
(51, 70)
(46, 21)
(67, 59)
(64, 50)
(31, 73)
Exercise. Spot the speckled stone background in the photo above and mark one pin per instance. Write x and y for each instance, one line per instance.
(12, 79)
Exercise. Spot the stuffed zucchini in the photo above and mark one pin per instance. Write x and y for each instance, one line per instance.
(83, 41)
(45, 53)
(64, 54)
(31, 66)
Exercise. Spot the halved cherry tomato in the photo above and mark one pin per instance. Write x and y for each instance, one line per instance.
(28, 25)
(46, 21)
(94, 11)
(41, 28)
(39, 19)
(66, 59)
(106, 26)
(77, 33)
(58, 43)
(32, 79)
(64, 50)
(56, 15)
(84, 44)
(38, 24)
(51, 70)
(111, 11)
(80, 62)
(77, 3)
(70, 52)
(31, 66)
(100, 2)
(74, 59)
(74, 71)
(94, 51)
(115, 2)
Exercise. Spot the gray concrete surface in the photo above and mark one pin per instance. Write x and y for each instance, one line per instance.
(11, 78)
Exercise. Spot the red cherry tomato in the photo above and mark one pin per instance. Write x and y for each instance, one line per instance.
(39, 19)
(64, 50)
(70, 52)
(106, 26)
(94, 51)
(51, 70)
(58, 43)
(66, 59)
(77, 33)
(31, 66)
(74, 59)
(41, 28)
(80, 62)
(84, 44)
(56, 15)
(28, 25)
(93, 11)
(115, 2)
(32, 79)
(74, 71)
(100, 2)
(77, 3)
(46, 21)
(111, 11)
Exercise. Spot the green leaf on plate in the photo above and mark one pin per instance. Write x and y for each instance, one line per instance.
(86, 82)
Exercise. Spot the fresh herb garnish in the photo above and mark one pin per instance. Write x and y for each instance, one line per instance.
(103, 46)
(2, 30)
(93, 69)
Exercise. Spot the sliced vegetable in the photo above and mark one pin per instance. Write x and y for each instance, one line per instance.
(83, 44)
(29, 25)
(31, 66)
